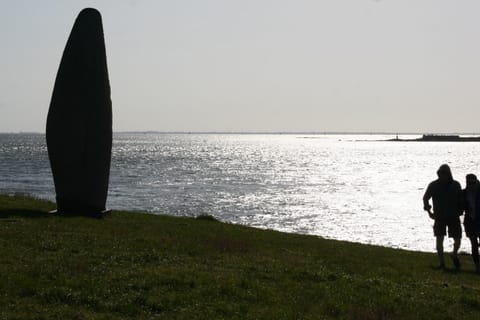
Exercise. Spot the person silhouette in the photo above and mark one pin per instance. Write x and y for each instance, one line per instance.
(471, 221)
(445, 193)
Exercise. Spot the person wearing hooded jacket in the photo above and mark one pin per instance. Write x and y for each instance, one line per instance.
(471, 222)
(446, 196)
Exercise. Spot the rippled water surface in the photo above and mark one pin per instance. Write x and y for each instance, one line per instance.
(337, 186)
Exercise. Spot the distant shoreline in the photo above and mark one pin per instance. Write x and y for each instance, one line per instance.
(275, 133)
(439, 138)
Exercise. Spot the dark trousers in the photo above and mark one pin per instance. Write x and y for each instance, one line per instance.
(474, 242)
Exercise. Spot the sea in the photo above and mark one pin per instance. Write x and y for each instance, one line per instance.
(358, 188)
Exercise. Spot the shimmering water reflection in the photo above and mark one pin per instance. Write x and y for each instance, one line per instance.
(336, 186)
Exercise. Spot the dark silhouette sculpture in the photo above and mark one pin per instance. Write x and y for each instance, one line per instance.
(79, 123)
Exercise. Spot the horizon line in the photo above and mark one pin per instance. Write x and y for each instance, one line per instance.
(270, 132)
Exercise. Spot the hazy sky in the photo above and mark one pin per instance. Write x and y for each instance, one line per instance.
(260, 65)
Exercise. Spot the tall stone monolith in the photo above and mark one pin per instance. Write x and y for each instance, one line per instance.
(79, 123)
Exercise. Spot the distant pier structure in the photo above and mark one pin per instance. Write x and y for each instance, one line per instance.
(441, 138)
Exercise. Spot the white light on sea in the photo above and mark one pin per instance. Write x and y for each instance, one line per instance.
(346, 187)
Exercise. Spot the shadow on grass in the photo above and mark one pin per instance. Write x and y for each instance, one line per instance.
(22, 213)
(453, 270)
(7, 214)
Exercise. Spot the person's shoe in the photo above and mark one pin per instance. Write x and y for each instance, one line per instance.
(441, 266)
(456, 262)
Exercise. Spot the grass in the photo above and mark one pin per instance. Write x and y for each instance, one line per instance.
(141, 266)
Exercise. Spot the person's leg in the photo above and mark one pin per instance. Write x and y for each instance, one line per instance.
(455, 232)
(439, 231)
(456, 245)
(441, 259)
(475, 257)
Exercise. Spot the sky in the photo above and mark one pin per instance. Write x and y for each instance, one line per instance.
(257, 65)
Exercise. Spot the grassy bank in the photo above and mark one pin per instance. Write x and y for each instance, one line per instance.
(140, 266)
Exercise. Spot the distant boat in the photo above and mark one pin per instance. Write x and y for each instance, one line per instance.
(441, 138)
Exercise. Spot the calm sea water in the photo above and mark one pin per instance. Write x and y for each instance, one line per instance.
(346, 187)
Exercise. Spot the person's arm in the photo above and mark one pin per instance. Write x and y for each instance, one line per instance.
(476, 214)
(462, 201)
(426, 198)
(426, 204)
